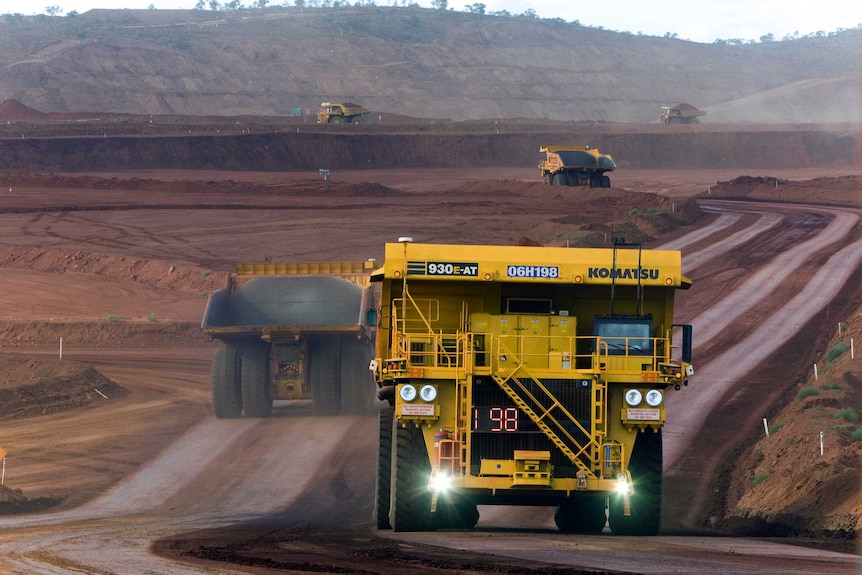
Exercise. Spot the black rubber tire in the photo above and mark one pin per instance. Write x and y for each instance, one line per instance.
(549, 179)
(325, 388)
(226, 390)
(410, 505)
(455, 515)
(646, 471)
(561, 179)
(383, 484)
(336, 120)
(595, 180)
(255, 381)
(585, 514)
(357, 382)
(606, 181)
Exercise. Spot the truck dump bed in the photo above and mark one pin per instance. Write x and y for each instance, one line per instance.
(254, 304)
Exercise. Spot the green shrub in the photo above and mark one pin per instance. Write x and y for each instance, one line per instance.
(807, 391)
(759, 478)
(775, 427)
(113, 318)
(832, 385)
(152, 317)
(634, 212)
(836, 350)
(206, 273)
(857, 434)
(847, 414)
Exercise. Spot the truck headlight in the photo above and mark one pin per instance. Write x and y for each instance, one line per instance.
(428, 393)
(653, 397)
(407, 392)
(633, 397)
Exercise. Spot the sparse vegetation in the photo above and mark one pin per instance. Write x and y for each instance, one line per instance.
(152, 317)
(847, 414)
(113, 318)
(775, 427)
(759, 478)
(807, 391)
(857, 434)
(836, 350)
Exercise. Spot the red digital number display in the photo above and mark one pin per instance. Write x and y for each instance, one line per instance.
(495, 419)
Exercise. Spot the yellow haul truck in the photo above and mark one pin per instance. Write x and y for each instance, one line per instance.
(576, 166)
(525, 376)
(340, 113)
(293, 331)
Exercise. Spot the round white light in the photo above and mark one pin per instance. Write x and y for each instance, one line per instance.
(633, 397)
(439, 482)
(428, 393)
(653, 397)
(407, 392)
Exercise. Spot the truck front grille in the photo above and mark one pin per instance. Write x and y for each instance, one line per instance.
(499, 440)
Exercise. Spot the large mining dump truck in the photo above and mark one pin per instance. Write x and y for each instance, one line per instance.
(680, 114)
(340, 113)
(526, 376)
(293, 332)
(576, 166)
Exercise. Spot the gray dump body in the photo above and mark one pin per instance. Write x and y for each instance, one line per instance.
(303, 302)
(292, 337)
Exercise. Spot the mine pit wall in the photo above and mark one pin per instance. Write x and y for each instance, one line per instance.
(694, 149)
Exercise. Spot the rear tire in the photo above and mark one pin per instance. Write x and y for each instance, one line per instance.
(255, 382)
(226, 389)
(325, 391)
(561, 179)
(606, 181)
(411, 501)
(581, 515)
(646, 471)
(357, 382)
(384, 469)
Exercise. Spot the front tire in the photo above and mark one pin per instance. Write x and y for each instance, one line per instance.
(226, 389)
(255, 382)
(383, 484)
(455, 515)
(411, 501)
(645, 505)
(581, 515)
(561, 179)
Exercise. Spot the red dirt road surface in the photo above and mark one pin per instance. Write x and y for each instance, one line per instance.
(132, 473)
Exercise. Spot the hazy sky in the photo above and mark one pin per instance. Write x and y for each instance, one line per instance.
(697, 20)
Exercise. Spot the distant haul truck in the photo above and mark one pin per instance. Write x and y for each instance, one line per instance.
(576, 166)
(526, 376)
(681, 114)
(340, 113)
(295, 332)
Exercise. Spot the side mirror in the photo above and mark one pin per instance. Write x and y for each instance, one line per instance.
(686, 341)
(371, 317)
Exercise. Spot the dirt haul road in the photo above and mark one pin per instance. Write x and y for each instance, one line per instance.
(305, 484)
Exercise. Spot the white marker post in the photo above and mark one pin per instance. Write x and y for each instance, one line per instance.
(765, 427)
(61, 348)
(821, 443)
